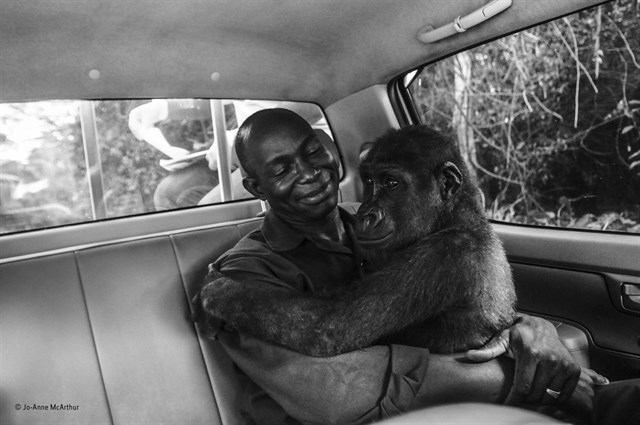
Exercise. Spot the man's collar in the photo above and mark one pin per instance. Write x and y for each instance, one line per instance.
(282, 237)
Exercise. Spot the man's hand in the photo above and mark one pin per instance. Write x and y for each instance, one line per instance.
(545, 371)
(212, 157)
(578, 409)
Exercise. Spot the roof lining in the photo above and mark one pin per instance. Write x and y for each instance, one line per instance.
(318, 51)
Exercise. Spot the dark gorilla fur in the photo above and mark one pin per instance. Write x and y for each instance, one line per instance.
(441, 277)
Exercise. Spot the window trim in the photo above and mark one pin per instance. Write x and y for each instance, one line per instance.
(48, 241)
(92, 158)
(224, 159)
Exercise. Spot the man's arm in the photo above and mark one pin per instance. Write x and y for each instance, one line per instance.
(380, 381)
(542, 361)
(142, 121)
(364, 385)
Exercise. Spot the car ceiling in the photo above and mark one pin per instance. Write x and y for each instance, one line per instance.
(313, 50)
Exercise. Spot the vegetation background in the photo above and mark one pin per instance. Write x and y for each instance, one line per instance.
(549, 119)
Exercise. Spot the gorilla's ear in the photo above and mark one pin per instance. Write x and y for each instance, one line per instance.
(449, 180)
(254, 188)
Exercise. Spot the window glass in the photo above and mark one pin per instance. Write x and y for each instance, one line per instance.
(548, 119)
(142, 155)
(39, 187)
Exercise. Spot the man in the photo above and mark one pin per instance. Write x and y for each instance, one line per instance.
(306, 244)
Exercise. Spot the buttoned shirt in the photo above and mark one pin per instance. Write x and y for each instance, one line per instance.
(279, 384)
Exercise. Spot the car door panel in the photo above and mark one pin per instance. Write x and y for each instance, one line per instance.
(577, 278)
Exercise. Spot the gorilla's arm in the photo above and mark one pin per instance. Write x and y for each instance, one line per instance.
(413, 287)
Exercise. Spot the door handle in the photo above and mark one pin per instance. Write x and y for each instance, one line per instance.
(631, 296)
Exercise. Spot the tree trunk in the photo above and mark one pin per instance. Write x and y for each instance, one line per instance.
(461, 119)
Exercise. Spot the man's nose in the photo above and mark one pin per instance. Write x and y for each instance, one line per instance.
(307, 173)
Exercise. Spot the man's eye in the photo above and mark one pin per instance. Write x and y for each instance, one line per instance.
(313, 150)
(277, 172)
(390, 183)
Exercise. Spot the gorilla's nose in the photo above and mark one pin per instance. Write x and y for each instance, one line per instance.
(368, 221)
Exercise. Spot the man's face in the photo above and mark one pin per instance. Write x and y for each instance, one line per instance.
(296, 173)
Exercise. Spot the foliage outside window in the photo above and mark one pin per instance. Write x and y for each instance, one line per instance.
(549, 119)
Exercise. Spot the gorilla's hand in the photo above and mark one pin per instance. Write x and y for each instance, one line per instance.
(204, 313)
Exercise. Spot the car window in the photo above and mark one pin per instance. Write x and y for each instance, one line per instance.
(548, 119)
(69, 161)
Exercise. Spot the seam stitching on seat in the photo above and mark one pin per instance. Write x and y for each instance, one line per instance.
(93, 337)
(202, 354)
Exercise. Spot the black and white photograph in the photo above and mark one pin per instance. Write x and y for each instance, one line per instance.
(319, 212)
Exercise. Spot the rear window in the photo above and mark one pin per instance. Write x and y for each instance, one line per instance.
(69, 161)
(548, 119)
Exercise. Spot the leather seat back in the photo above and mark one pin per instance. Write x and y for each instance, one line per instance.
(106, 333)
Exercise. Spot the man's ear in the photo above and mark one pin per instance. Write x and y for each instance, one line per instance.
(253, 188)
(449, 180)
(364, 150)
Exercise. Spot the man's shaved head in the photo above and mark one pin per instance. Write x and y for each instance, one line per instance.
(288, 165)
(261, 125)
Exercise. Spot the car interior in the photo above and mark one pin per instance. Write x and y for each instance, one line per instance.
(95, 313)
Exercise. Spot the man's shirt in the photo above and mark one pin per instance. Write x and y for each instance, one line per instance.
(356, 387)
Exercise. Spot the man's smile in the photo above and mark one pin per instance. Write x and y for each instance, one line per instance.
(317, 195)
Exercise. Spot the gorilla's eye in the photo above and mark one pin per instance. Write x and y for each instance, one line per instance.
(368, 181)
(390, 183)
